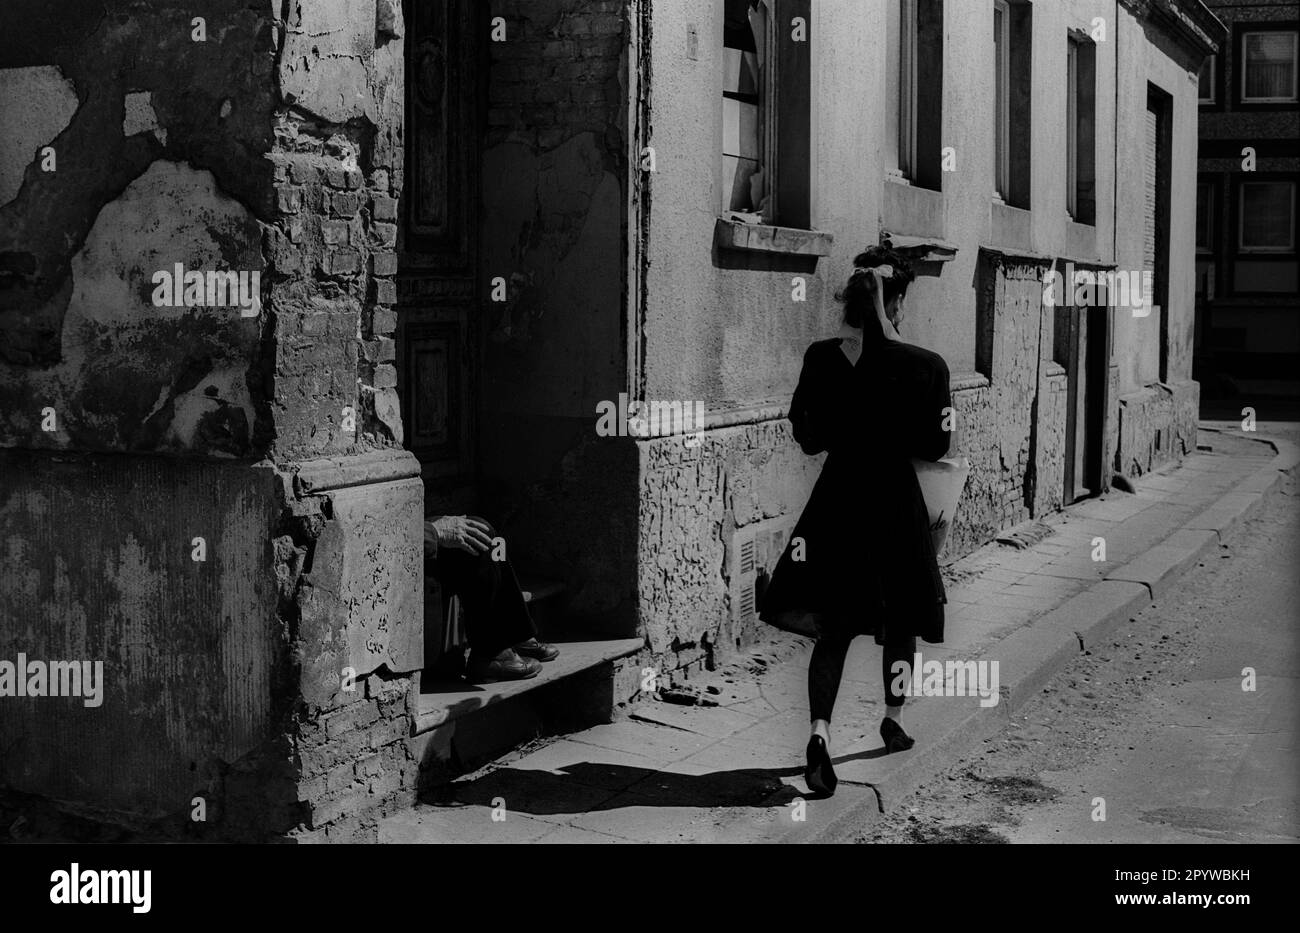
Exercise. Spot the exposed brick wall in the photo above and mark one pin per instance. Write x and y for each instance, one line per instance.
(333, 251)
(557, 73)
(356, 762)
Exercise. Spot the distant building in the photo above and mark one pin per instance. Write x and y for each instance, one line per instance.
(1247, 274)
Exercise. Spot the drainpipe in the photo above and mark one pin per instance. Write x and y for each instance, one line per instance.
(1107, 461)
(1114, 180)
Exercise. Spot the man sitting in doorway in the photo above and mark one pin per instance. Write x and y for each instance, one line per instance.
(503, 642)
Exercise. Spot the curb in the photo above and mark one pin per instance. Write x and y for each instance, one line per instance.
(1057, 636)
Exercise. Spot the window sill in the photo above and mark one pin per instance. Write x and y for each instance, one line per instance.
(1081, 240)
(921, 248)
(908, 207)
(765, 238)
(967, 382)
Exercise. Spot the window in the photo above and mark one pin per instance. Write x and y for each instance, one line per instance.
(1012, 36)
(904, 52)
(744, 130)
(1209, 71)
(914, 53)
(766, 112)
(1002, 88)
(1080, 130)
(1266, 217)
(1204, 217)
(1268, 67)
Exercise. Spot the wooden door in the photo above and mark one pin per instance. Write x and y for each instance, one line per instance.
(438, 360)
(1082, 347)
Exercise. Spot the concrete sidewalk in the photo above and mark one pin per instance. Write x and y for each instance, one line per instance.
(732, 772)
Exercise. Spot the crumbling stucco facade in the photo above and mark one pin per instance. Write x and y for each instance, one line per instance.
(729, 326)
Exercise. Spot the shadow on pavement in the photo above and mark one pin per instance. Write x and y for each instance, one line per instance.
(587, 786)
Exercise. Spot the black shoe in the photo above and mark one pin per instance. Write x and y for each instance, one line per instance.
(539, 650)
(819, 775)
(896, 740)
(505, 666)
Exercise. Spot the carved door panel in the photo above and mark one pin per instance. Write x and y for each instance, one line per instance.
(437, 290)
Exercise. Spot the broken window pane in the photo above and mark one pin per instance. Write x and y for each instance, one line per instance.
(743, 107)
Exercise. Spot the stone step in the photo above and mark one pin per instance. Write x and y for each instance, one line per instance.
(442, 619)
(442, 701)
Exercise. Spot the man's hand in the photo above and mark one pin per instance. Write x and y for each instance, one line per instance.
(458, 531)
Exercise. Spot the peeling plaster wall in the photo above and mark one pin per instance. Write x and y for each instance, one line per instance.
(98, 566)
(79, 245)
(39, 102)
(692, 502)
(272, 147)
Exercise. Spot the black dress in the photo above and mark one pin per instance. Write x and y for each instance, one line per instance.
(868, 560)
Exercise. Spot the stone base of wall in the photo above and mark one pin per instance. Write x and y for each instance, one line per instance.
(694, 502)
(357, 762)
(262, 626)
(158, 569)
(1157, 424)
(1017, 463)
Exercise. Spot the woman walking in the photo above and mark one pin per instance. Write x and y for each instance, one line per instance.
(860, 560)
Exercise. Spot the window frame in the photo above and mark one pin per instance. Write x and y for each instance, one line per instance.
(914, 36)
(1013, 90)
(1211, 185)
(1241, 31)
(1002, 101)
(908, 55)
(1072, 51)
(1213, 100)
(1241, 248)
(788, 139)
(766, 115)
(1081, 135)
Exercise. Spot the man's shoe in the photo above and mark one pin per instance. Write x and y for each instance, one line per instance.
(505, 666)
(537, 649)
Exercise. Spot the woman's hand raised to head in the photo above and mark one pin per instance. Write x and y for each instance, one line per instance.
(878, 276)
(461, 532)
